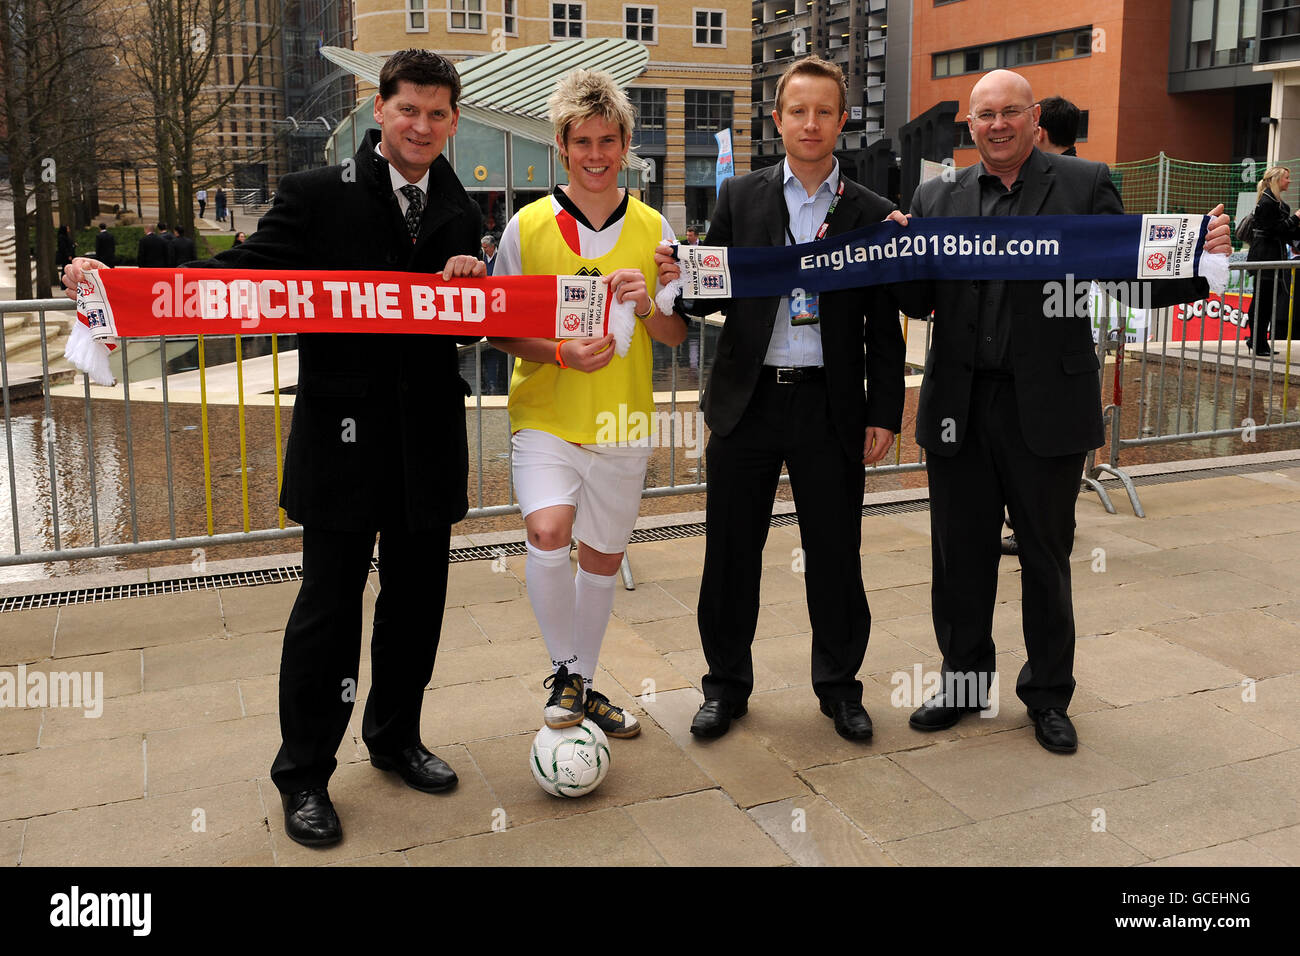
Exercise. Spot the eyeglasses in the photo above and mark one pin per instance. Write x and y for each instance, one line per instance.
(1010, 114)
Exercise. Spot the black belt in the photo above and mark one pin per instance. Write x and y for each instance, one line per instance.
(795, 375)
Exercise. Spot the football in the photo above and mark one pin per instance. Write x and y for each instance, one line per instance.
(570, 762)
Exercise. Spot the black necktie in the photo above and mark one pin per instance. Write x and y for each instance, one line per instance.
(414, 209)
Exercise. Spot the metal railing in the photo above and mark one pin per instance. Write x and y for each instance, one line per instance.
(97, 473)
(1196, 387)
(90, 444)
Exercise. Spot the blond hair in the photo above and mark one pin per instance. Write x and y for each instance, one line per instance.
(584, 94)
(1269, 181)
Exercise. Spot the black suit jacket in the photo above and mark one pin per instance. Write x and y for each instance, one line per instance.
(106, 248)
(750, 212)
(1054, 360)
(183, 249)
(152, 252)
(402, 394)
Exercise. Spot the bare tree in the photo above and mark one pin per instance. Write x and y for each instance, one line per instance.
(57, 100)
(171, 55)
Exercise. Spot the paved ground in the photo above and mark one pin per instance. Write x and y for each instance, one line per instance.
(1186, 709)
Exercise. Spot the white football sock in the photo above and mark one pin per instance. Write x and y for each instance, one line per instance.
(595, 602)
(551, 593)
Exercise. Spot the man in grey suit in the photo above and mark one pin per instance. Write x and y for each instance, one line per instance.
(1009, 406)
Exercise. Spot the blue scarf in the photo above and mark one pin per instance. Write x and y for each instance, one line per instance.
(1004, 247)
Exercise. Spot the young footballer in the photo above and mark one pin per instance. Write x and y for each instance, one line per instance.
(571, 481)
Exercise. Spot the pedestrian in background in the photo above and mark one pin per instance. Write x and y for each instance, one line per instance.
(65, 250)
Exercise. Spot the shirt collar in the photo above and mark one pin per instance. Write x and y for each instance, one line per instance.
(831, 182)
(397, 179)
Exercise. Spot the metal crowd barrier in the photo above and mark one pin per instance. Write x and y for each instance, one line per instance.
(59, 529)
(1245, 394)
(1188, 390)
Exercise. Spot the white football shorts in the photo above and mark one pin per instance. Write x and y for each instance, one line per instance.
(603, 484)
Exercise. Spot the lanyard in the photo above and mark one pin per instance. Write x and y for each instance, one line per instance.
(821, 232)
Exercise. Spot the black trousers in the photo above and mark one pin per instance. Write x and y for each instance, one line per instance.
(995, 469)
(322, 647)
(790, 424)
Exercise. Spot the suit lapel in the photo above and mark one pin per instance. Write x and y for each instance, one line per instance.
(1038, 178)
(966, 197)
(772, 199)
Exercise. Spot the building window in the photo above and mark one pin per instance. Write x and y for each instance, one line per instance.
(465, 16)
(707, 111)
(651, 124)
(639, 24)
(508, 22)
(1039, 49)
(710, 27)
(416, 22)
(566, 21)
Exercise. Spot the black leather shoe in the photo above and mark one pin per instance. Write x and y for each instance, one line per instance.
(851, 719)
(309, 818)
(714, 717)
(1010, 545)
(937, 714)
(420, 769)
(1054, 731)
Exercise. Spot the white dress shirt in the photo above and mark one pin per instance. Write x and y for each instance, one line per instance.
(798, 345)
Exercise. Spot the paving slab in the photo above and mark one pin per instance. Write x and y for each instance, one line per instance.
(47, 780)
(649, 602)
(394, 858)
(1248, 641)
(1271, 704)
(475, 582)
(635, 663)
(11, 842)
(463, 712)
(1282, 844)
(20, 729)
(216, 826)
(1166, 738)
(645, 767)
(211, 754)
(505, 620)
(740, 761)
(380, 814)
(255, 610)
(882, 799)
(1055, 835)
(610, 836)
(1236, 853)
(197, 662)
(136, 714)
(27, 636)
(1203, 809)
(133, 623)
(705, 829)
(1002, 773)
(1128, 666)
(813, 832)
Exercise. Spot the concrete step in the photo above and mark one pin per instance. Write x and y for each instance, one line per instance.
(25, 346)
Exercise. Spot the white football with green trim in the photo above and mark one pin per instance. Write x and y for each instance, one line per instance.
(570, 762)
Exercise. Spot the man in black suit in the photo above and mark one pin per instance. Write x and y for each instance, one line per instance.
(105, 246)
(152, 251)
(182, 247)
(787, 388)
(1009, 406)
(377, 445)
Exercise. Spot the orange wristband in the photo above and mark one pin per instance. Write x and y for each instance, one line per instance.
(559, 358)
